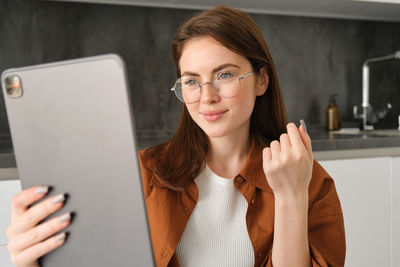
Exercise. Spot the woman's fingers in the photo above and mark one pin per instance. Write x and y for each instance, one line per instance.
(287, 163)
(29, 240)
(275, 149)
(294, 135)
(296, 138)
(25, 198)
(267, 155)
(285, 142)
(305, 137)
(299, 138)
(32, 253)
(40, 233)
(37, 213)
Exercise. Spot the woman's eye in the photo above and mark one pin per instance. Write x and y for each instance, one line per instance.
(191, 82)
(225, 75)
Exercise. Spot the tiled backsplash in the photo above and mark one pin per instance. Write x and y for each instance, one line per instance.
(315, 57)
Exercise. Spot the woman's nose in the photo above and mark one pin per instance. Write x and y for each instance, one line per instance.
(209, 94)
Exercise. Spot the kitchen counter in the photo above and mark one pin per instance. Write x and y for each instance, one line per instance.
(326, 145)
(334, 145)
(323, 140)
(7, 159)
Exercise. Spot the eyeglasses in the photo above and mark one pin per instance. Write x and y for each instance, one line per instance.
(227, 84)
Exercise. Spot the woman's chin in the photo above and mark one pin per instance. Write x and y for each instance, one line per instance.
(215, 133)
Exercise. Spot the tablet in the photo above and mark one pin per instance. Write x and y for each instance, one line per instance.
(72, 128)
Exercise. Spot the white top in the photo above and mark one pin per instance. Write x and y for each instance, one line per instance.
(216, 233)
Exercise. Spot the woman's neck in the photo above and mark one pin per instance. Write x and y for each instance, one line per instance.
(227, 155)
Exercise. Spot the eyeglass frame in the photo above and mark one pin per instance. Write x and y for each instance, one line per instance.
(210, 83)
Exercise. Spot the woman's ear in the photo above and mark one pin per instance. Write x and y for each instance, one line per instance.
(262, 82)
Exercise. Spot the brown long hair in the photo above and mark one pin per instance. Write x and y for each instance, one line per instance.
(178, 161)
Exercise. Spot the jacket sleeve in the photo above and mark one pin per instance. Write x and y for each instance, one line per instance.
(326, 234)
(326, 231)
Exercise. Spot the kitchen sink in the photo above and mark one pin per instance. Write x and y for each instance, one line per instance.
(378, 132)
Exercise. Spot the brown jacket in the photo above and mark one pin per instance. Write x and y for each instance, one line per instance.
(169, 211)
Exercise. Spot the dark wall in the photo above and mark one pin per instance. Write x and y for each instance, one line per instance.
(314, 57)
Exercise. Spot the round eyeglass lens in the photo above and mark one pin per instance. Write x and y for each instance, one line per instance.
(178, 90)
(188, 89)
(227, 84)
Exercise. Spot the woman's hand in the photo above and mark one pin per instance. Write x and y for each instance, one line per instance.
(288, 164)
(27, 239)
(288, 167)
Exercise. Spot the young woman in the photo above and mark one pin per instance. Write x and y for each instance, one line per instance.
(236, 185)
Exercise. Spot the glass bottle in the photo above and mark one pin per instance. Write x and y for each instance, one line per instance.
(332, 114)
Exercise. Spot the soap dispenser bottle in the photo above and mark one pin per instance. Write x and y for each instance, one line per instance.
(332, 114)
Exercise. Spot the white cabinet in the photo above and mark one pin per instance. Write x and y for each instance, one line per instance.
(8, 188)
(5, 260)
(369, 192)
(396, 210)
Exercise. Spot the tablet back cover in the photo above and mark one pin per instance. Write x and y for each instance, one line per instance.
(72, 128)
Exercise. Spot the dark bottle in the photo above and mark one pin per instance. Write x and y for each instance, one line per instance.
(332, 114)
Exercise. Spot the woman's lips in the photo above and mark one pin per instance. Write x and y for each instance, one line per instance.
(213, 115)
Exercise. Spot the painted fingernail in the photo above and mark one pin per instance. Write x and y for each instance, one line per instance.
(303, 124)
(65, 217)
(42, 190)
(60, 237)
(59, 198)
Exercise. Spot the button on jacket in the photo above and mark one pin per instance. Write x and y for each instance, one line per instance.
(169, 211)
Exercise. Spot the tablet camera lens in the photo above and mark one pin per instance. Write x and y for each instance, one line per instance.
(13, 86)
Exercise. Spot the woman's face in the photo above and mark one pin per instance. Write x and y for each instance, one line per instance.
(218, 116)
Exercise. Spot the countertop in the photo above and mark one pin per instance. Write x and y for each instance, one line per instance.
(323, 140)
(333, 145)
(326, 145)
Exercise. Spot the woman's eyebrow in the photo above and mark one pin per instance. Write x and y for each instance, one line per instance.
(221, 67)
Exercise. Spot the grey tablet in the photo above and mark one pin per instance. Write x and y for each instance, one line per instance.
(72, 128)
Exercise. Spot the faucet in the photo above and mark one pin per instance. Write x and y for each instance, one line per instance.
(369, 116)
